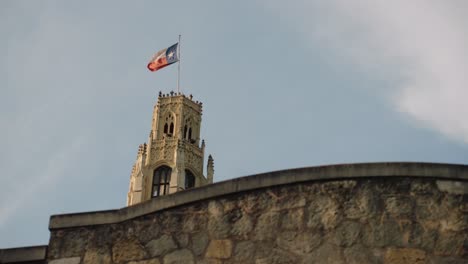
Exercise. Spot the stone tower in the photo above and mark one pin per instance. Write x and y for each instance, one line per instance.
(172, 160)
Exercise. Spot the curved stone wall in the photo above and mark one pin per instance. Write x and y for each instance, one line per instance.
(358, 213)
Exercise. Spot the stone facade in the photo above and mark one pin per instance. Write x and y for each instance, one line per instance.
(343, 220)
(174, 142)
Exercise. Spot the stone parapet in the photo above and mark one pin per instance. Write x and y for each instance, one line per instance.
(30, 255)
(284, 177)
(354, 213)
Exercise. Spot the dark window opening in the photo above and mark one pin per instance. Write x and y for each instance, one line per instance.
(190, 133)
(185, 131)
(171, 129)
(189, 180)
(165, 128)
(161, 180)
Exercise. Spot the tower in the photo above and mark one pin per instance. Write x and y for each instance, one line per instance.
(172, 160)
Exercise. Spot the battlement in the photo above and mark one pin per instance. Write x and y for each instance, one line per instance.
(173, 97)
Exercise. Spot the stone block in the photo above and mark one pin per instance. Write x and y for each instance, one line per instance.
(220, 249)
(92, 256)
(244, 252)
(242, 227)
(183, 256)
(148, 261)
(327, 253)
(404, 256)
(324, 212)
(266, 222)
(161, 246)
(74, 260)
(299, 242)
(453, 187)
(358, 254)
(127, 250)
(347, 233)
(199, 242)
(399, 206)
(292, 219)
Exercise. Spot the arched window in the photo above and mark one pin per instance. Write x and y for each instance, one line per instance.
(190, 133)
(165, 128)
(161, 180)
(189, 180)
(171, 129)
(185, 131)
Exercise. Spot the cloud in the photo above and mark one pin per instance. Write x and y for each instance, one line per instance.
(418, 45)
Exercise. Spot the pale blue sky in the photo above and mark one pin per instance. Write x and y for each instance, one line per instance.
(284, 84)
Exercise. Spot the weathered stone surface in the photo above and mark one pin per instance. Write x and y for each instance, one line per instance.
(127, 250)
(161, 246)
(215, 209)
(292, 219)
(148, 261)
(454, 221)
(386, 232)
(404, 256)
(194, 222)
(147, 229)
(220, 249)
(363, 204)
(446, 260)
(423, 237)
(429, 208)
(244, 251)
(388, 220)
(69, 244)
(399, 206)
(199, 243)
(359, 255)
(75, 260)
(327, 253)
(182, 240)
(182, 256)
(265, 224)
(453, 187)
(420, 187)
(323, 212)
(347, 233)
(298, 242)
(242, 227)
(219, 227)
(92, 256)
(274, 256)
(451, 244)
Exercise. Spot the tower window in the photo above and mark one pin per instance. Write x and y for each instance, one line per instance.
(165, 128)
(189, 180)
(185, 131)
(161, 180)
(171, 129)
(190, 133)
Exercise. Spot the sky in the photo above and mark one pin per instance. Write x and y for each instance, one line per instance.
(284, 84)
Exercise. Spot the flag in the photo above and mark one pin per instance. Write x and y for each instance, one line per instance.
(164, 58)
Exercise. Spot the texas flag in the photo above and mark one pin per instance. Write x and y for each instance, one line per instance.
(163, 58)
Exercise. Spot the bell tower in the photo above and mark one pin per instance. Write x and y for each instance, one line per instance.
(172, 160)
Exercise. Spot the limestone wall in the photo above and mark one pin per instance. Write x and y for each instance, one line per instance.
(367, 213)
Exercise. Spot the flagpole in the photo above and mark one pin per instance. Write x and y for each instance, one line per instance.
(178, 67)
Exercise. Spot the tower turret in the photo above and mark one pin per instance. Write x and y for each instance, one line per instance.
(173, 158)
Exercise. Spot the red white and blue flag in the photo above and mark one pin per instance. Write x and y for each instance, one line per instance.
(164, 58)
